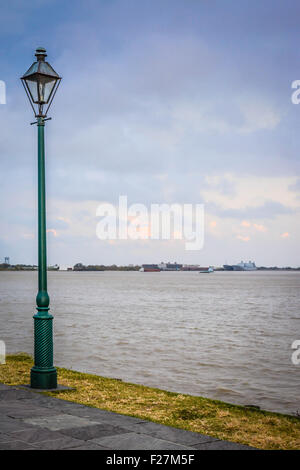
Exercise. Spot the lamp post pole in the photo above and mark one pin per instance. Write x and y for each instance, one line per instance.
(40, 83)
(43, 374)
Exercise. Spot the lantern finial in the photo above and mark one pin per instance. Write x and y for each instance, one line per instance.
(40, 53)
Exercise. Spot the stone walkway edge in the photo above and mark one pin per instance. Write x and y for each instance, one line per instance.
(32, 421)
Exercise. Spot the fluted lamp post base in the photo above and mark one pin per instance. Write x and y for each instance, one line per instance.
(43, 373)
(43, 379)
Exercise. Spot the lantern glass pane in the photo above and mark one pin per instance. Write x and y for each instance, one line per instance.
(45, 88)
(32, 86)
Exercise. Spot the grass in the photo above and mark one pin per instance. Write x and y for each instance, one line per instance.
(261, 429)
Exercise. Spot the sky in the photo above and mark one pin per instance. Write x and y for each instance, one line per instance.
(168, 101)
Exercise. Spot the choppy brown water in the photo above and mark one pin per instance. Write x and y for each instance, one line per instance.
(222, 335)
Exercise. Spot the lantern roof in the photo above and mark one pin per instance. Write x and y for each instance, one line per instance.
(40, 66)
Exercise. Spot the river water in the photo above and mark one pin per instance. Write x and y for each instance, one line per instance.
(225, 335)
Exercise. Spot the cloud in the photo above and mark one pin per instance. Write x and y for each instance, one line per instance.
(296, 186)
(53, 231)
(260, 228)
(30, 236)
(258, 116)
(61, 223)
(268, 210)
(285, 235)
(224, 185)
(243, 238)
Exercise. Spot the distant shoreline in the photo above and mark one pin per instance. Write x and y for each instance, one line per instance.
(134, 268)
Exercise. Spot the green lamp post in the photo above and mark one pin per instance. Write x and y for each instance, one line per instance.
(40, 83)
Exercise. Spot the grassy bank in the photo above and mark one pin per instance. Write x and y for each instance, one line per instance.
(260, 429)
